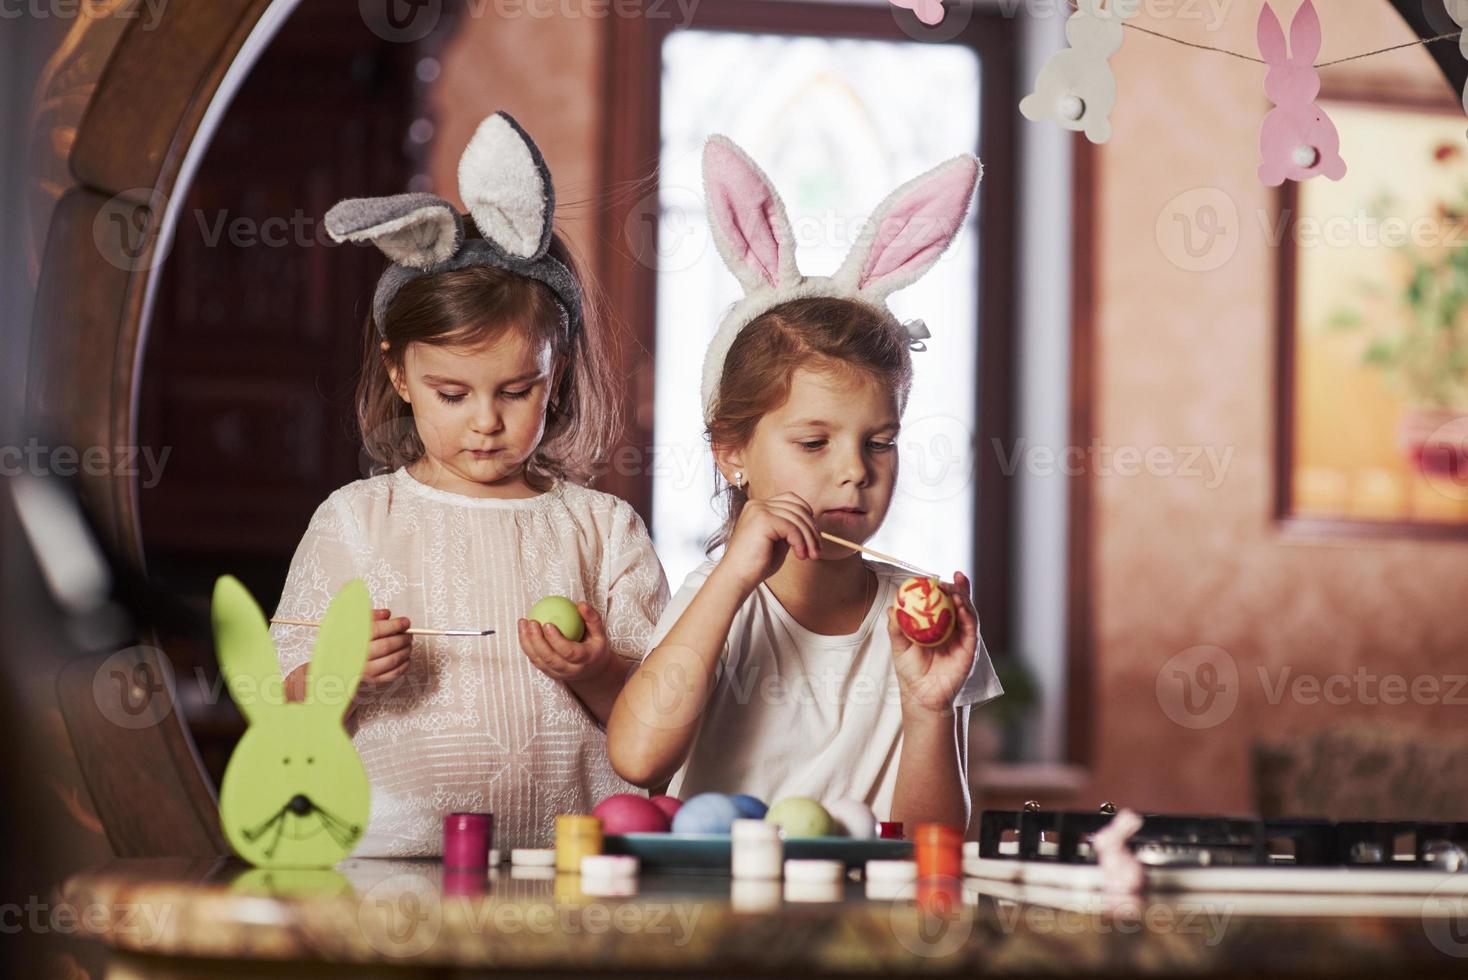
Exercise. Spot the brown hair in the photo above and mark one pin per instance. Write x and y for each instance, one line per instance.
(811, 333)
(472, 306)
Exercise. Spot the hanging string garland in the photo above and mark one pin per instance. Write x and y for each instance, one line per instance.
(1076, 88)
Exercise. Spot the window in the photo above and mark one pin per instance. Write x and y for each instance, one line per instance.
(837, 123)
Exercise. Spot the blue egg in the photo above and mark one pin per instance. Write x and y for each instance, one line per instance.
(706, 813)
(749, 807)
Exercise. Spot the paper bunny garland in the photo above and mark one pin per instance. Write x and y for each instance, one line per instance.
(295, 793)
(1077, 88)
(1297, 139)
(901, 241)
(507, 187)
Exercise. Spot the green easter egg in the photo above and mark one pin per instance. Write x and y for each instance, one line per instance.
(558, 611)
(799, 816)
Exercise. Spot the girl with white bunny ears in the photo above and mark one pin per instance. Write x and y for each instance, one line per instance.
(778, 670)
(484, 397)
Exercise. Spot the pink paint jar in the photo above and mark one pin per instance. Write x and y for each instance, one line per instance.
(467, 838)
(469, 883)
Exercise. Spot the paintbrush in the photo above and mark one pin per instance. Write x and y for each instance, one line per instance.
(411, 632)
(877, 554)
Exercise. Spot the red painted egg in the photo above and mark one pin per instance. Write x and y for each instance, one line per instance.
(925, 613)
(668, 804)
(628, 813)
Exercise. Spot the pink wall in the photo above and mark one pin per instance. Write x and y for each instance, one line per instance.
(1188, 359)
(546, 72)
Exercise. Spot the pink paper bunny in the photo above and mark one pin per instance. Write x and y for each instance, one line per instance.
(930, 12)
(1297, 139)
(1122, 875)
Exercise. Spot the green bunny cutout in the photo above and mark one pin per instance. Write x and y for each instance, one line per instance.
(295, 793)
(293, 883)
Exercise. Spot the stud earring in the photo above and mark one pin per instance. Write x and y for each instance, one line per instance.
(738, 480)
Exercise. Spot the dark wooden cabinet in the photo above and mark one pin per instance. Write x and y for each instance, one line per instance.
(253, 351)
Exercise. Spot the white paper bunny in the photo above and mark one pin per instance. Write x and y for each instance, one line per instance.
(1458, 10)
(1077, 88)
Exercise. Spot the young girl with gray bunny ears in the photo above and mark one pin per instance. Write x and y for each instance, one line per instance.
(483, 412)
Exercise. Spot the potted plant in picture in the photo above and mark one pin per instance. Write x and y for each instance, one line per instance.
(1417, 330)
(1005, 718)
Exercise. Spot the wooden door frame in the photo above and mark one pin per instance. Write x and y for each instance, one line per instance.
(629, 266)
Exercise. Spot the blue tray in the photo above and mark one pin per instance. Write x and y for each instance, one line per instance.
(709, 853)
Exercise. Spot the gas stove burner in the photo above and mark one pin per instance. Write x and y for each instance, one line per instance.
(1182, 841)
(1445, 855)
(1156, 855)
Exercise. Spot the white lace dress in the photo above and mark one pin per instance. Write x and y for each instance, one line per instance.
(474, 725)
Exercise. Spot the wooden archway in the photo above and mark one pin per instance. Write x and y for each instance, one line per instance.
(148, 123)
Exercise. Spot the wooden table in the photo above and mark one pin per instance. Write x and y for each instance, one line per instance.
(368, 917)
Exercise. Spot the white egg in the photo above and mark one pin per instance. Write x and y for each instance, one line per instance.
(854, 819)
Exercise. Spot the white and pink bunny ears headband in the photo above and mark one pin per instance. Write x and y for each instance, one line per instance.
(507, 187)
(901, 241)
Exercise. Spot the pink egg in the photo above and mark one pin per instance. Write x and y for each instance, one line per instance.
(668, 804)
(627, 813)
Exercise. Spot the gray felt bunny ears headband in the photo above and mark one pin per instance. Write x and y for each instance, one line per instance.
(507, 187)
(902, 240)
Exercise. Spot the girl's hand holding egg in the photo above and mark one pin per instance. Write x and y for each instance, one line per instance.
(565, 640)
(929, 673)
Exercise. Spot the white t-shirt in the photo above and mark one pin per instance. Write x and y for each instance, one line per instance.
(796, 713)
(473, 725)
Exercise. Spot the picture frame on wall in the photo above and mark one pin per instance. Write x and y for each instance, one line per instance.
(1372, 400)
